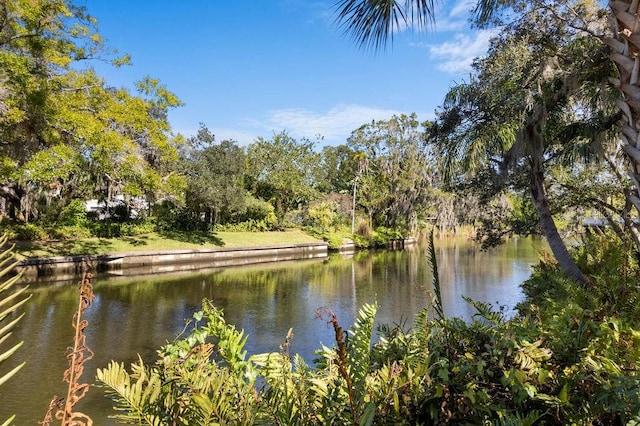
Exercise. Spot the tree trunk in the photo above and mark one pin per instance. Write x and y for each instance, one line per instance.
(625, 45)
(13, 195)
(559, 249)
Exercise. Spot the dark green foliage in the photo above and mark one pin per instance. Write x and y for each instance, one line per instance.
(593, 333)
(74, 214)
(215, 179)
(258, 210)
(110, 229)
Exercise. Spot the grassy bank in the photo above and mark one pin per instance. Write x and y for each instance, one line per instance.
(155, 241)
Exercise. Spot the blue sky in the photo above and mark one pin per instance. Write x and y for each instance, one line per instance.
(249, 68)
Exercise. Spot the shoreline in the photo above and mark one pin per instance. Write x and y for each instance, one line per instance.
(161, 261)
(61, 268)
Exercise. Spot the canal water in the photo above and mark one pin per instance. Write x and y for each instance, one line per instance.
(136, 315)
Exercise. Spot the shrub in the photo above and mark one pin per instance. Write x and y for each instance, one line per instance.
(258, 210)
(334, 239)
(322, 215)
(74, 214)
(250, 225)
(28, 232)
(69, 232)
(138, 227)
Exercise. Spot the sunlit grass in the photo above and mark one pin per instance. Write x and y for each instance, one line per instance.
(156, 242)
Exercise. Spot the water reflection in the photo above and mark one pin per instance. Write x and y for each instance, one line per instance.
(133, 316)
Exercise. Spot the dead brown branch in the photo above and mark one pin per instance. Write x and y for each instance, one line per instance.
(77, 356)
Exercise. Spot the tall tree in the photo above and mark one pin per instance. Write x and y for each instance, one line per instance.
(339, 168)
(65, 132)
(37, 45)
(372, 23)
(283, 170)
(398, 171)
(528, 105)
(215, 185)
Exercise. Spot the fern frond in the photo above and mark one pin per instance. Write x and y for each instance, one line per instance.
(299, 365)
(230, 341)
(274, 367)
(359, 358)
(530, 355)
(205, 409)
(133, 393)
(433, 263)
(359, 349)
(516, 419)
(485, 311)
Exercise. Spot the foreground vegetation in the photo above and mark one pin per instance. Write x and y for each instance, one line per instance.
(571, 356)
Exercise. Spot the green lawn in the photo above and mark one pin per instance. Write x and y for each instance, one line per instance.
(153, 242)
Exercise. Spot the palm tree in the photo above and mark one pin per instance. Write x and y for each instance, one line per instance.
(625, 45)
(532, 102)
(514, 111)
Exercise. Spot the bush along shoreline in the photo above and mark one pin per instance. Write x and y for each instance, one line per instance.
(571, 356)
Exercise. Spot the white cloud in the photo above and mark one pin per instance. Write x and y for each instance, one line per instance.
(463, 44)
(461, 9)
(335, 125)
(454, 16)
(455, 56)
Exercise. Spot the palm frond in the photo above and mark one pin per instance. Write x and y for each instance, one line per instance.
(485, 10)
(9, 304)
(371, 23)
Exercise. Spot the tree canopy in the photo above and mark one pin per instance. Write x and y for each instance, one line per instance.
(65, 132)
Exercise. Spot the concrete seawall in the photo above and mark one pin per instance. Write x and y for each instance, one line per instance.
(172, 260)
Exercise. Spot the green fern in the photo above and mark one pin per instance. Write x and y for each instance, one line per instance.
(359, 358)
(486, 312)
(530, 355)
(359, 348)
(187, 387)
(8, 306)
(230, 341)
(135, 394)
(517, 419)
(437, 306)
